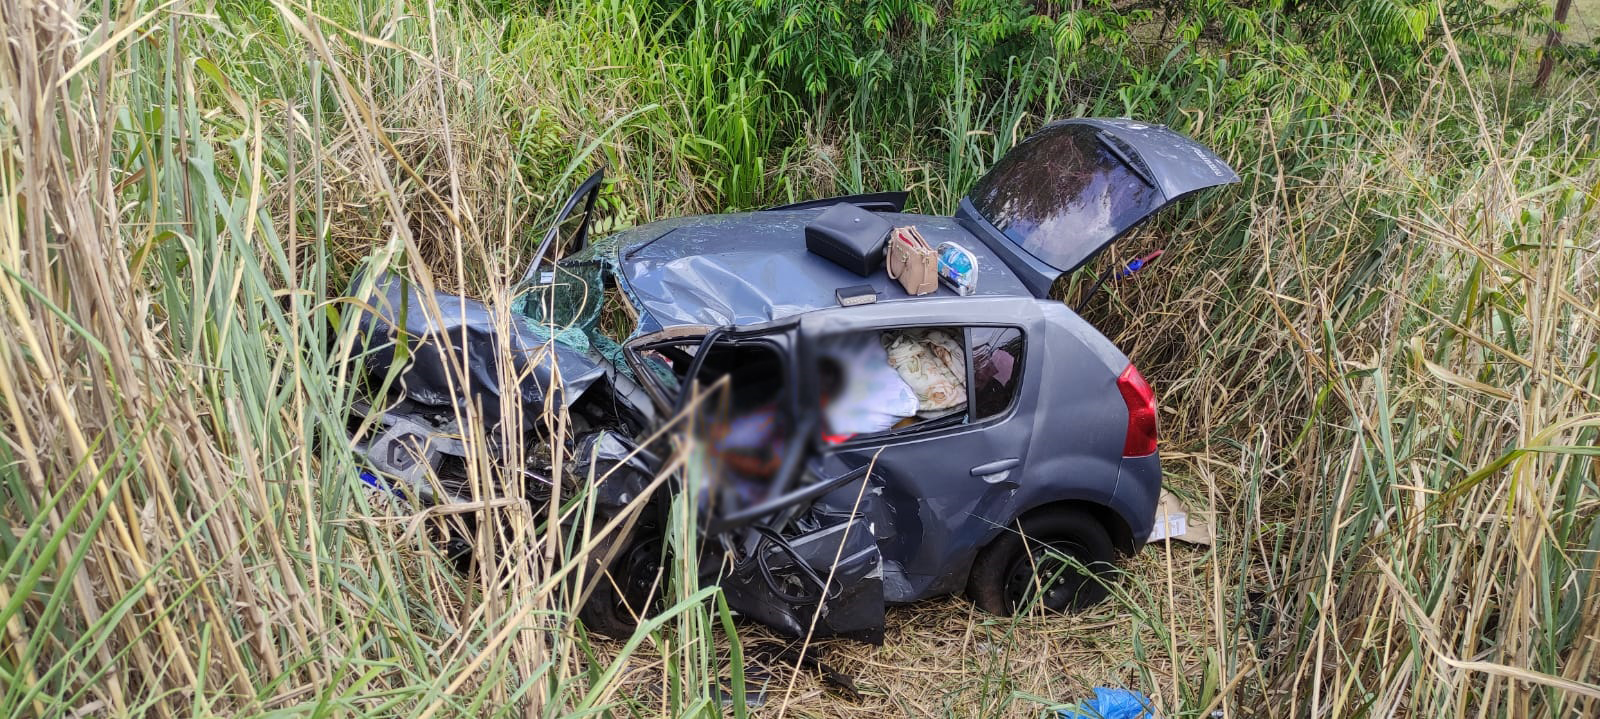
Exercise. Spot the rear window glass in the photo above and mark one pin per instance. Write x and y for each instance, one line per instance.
(1063, 194)
(996, 369)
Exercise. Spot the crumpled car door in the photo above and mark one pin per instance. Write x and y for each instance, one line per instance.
(817, 574)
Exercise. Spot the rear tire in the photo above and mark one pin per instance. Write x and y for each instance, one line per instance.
(1022, 564)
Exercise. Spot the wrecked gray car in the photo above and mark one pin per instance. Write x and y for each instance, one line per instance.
(1021, 463)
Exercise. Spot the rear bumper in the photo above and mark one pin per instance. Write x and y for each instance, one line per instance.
(1138, 492)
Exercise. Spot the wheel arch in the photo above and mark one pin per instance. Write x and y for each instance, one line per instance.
(1113, 522)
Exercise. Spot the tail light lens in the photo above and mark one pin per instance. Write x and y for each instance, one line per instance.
(1141, 403)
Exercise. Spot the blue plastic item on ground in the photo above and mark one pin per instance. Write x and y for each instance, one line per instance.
(1109, 703)
(372, 480)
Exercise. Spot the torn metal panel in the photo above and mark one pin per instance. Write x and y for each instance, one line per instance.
(467, 336)
(780, 583)
(827, 582)
(620, 471)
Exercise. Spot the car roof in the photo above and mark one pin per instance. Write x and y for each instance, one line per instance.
(750, 268)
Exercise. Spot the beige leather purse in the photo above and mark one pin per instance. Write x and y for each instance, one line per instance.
(912, 261)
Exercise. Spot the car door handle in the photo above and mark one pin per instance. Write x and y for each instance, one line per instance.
(995, 467)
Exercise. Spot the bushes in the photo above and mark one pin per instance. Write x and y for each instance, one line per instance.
(771, 86)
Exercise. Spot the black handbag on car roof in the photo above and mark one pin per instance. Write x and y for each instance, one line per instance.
(849, 236)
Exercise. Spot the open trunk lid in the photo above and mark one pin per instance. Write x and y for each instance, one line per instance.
(1058, 198)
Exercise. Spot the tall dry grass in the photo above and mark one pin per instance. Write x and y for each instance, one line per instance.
(183, 535)
(1391, 402)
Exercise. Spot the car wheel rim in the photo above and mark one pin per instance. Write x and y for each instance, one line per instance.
(1044, 569)
(639, 572)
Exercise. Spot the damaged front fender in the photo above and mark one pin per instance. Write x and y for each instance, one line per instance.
(619, 470)
(449, 350)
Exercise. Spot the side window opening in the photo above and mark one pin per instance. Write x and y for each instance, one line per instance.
(669, 363)
(746, 425)
(754, 369)
(896, 380)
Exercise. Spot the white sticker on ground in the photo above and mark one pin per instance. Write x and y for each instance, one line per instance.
(1169, 525)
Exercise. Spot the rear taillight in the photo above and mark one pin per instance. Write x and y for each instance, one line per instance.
(1141, 413)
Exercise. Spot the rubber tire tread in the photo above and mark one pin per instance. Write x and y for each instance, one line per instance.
(986, 583)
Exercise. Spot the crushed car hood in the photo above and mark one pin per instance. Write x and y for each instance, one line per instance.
(465, 334)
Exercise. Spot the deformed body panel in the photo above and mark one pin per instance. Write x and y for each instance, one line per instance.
(751, 268)
(460, 348)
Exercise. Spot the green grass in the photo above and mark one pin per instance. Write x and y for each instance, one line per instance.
(1375, 356)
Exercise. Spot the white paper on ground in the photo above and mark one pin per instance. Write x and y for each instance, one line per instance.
(1174, 521)
(1169, 525)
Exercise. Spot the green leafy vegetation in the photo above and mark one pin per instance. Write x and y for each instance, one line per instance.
(1375, 356)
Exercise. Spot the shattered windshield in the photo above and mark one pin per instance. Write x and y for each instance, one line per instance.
(570, 303)
(567, 296)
